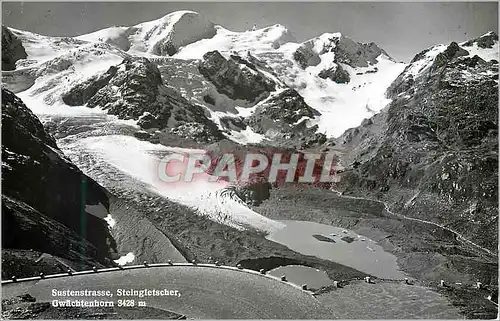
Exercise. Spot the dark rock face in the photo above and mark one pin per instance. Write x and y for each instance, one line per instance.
(356, 54)
(306, 56)
(434, 151)
(82, 93)
(254, 194)
(234, 81)
(209, 99)
(165, 48)
(26, 228)
(337, 74)
(283, 117)
(137, 84)
(134, 89)
(45, 198)
(12, 50)
(311, 138)
(288, 108)
(147, 121)
(452, 51)
(347, 51)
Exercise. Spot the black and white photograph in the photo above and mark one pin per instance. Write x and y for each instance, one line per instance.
(249, 160)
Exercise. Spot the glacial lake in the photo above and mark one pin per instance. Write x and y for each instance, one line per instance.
(338, 245)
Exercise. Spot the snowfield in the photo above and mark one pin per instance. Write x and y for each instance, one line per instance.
(226, 41)
(343, 106)
(180, 28)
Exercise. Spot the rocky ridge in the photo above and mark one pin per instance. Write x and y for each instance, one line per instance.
(48, 204)
(345, 51)
(435, 145)
(134, 89)
(12, 50)
(235, 77)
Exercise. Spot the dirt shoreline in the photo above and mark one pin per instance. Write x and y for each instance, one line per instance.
(426, 255)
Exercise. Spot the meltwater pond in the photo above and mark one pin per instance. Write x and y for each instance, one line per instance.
(338, 245)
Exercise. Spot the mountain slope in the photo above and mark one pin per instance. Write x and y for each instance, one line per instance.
(12, 50)
(134, 89)
(433, 152)
(163, 36)
(48, 204)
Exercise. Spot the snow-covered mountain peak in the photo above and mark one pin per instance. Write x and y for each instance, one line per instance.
(163, 36)
(324, 43)
(485, 47)
(172, 17)
(455, 64)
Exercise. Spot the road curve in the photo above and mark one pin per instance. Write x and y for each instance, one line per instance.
(458, 235)
(207, 292)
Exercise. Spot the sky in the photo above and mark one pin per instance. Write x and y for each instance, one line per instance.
(403, 29)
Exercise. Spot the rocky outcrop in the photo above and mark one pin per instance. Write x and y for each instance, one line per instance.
(346, 51)
(235, 77)
(130, 92)
(306, 56)
(197, 131)
(452, 51)
(433, 152)
(284, 110)
(336, 74)
(45, 198)
(356, 54)
(233, 123)
(283, 119)
(12, 49)
(134, 89)
(83, 92)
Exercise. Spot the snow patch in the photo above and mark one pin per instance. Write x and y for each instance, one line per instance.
(110, 220)
(425, 62)
(102, 35)
(246, 136)
(226, 41)
(129, 258)
(486, 54)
